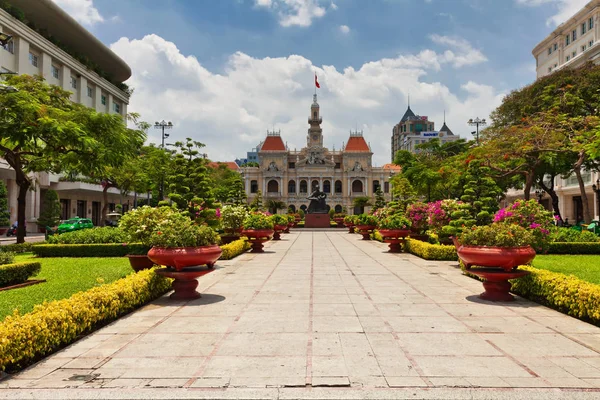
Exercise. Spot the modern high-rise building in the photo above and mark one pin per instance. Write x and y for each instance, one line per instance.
(81, 64)
(572, 43)
(413, 130)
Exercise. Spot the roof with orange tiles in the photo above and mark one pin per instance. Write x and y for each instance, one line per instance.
(392, 167)
(230, 164)
(357, 143)
(273, 143)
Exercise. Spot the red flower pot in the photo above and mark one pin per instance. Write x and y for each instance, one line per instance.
(394, 238)
(506, 258)
(365, 231)
(339, 222)
(350, 227)
(278, 229)
(257, 237)
(185, 282)
(181, 257)
(139, 262)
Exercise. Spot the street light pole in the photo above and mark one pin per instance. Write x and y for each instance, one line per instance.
(162, 125)
(476, 122)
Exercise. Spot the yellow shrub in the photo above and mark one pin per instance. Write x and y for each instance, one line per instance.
(50, 326)
(428, 251)
(234, 249)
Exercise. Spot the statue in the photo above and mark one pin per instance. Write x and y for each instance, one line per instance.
(273, 166)
(317, 202)
(357, 167)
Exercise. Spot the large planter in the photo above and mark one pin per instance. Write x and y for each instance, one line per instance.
(185, 282)
(506, 258)
(365, 231)
(350, 227)
(182, 257)
(139, 262)
(394, 238)
(257, 237)
(278, 230)
(496, 282)
(339, 222)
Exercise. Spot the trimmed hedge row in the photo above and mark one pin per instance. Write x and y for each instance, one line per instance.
(89, 250)
(574, 248)
(428, 251)
(17, 247)
(13, 274)
(51, 326)
(234, 249)
(565, 293)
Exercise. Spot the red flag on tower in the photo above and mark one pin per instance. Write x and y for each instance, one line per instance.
(317, 82)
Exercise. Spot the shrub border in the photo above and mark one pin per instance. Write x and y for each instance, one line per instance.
(574, 248)
(234, 249)
(16, 273)
(17, 247)
(428, 251)
(26, 338)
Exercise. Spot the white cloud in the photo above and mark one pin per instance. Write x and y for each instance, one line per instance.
(294, 12)
(333, 6)
(83, 11)
(565, 9)
(464, 53)
(345, 29)
(231, 111)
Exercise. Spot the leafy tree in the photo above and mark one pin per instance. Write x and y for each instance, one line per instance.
(227, 184)
(50, 214)
(275, 205)
(4, 212)
(237, 193)
(250, 164)
(379, 199)
(44, 131)
(403, 192)
(256, 204)
(360, 203)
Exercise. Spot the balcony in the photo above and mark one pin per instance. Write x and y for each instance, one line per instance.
(273, 194)
(312, 120)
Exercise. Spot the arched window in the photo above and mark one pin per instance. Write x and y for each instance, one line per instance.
(314, 184)
(314, 115)
(273, 186)
(253, 186)
(303, 207)
(292, 208)
(327, 187)
(303, 186)
(292, 186)
(338, 186)
(357, 186)
(375, 186)
(338, 208)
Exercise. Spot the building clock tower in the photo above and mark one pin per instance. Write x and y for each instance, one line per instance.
(315, 133)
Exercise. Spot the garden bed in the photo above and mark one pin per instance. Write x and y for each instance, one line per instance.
(585, 267)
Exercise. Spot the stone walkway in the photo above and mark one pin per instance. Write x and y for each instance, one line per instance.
(326, 315)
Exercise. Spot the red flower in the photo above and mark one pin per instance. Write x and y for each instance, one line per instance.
(159, 233)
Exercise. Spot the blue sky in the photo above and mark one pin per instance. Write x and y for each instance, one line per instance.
(226, 71)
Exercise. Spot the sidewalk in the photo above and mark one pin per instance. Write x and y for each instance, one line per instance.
(31, 237)
(327, 315)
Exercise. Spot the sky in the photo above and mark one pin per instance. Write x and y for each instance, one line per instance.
(226, 71)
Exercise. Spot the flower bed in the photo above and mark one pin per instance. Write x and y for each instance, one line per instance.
(51, 326)
(234, 249)
(15, 273)
(438, 252)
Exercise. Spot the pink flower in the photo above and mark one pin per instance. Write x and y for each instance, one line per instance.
(218, 212)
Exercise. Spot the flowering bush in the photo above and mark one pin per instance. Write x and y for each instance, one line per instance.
(279, 219)
(258, 220)
(439, 214)
(394, 221)
(339, 215)
(418, 214)
(496, 235)
(532, 216)
(572, 236)
(351, 219)
(232, 217)
(141, 222)
(367, 219)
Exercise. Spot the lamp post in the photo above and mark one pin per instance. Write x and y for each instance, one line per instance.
(476, 122)
(162, 125)
(596, 188)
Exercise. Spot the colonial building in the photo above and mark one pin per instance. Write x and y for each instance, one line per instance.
(33, 51)
(290, 176)
(413, 130)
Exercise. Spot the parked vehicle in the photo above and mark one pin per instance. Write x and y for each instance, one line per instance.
(75, 224)
(112, 219)
(12, 231)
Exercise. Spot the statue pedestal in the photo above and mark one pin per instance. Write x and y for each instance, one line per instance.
(316, 221)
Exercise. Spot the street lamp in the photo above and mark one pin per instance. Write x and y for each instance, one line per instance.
(476, 122)
(162, 125)
(596, 188)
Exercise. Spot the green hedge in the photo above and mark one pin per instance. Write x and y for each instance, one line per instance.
(428, 251)
(234, 249)
(13, 274)
(574, 248)
(51, 326)
(17, 247)
(89, 250)
(95, 235)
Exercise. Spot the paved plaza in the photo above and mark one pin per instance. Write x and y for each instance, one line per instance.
(327, 315)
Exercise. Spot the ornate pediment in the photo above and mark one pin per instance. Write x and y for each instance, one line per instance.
(315, 156)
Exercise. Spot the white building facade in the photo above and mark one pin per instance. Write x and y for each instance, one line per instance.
(31, 53)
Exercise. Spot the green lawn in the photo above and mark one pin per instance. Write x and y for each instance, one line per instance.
(586, 267)
(64, 277)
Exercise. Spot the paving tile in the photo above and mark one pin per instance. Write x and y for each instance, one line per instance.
(405, 381)
(162, 367)
(264, 344)
(330, 381)
(336, 324)
(538, 345)
(463, 366)
(329, 366)
(465, 344)
(426, 324)
(243, 366)
(192, 325)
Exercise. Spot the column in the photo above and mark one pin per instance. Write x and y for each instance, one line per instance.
(65, 76)
(109, 103)
(82, 91)
(46, 64)
(21, 55)
(98, 106)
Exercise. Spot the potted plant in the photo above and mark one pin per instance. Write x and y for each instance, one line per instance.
(138, 258)
(350, 222)
(498, 245)
(393, 229)
(232, 218)
(4, 213)
(279, 225)
(366, 224)
(291, 222)
(258, 228)
(339, 219)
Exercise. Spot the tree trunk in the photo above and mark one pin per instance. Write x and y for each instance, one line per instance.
(529, 179)
(21, 204)
(105, 204)
(584, 201)
(552, 193)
